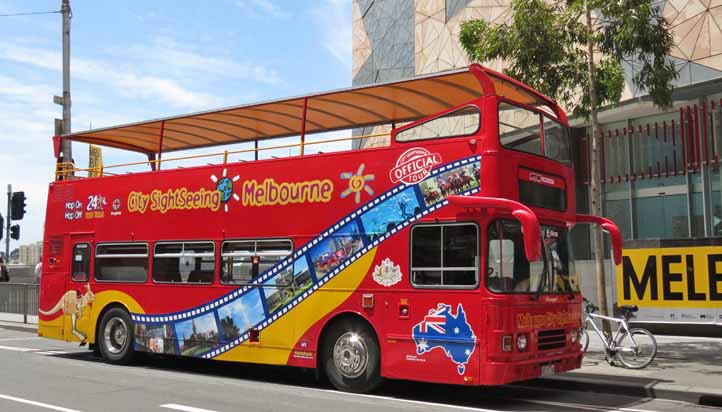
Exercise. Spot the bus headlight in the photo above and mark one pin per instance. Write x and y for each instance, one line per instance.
(521, 342)
(573, 335)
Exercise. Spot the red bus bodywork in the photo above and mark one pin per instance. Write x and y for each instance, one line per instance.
(314, 201)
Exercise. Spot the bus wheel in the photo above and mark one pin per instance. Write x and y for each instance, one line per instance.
(115, 337)
(351, 357)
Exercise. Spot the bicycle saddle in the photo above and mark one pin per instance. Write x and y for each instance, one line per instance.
(629, 308)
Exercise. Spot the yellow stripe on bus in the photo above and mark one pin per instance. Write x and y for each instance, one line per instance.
(277, 340)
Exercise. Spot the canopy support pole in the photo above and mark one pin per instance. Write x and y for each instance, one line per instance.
(160, 144)
(303, 124)
(255, 152)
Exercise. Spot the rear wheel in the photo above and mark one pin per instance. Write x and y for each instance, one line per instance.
(115, 337)
(351, 357)
(637, 351)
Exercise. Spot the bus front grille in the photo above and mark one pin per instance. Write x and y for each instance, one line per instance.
(551, 339)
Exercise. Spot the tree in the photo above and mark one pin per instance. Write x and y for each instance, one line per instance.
(573, 51)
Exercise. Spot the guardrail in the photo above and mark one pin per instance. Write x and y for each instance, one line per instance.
(19, 298)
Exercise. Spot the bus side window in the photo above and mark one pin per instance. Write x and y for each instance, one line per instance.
(81, 262)
(245, 260)
(184, 262)
(445, 255)
(121, 262)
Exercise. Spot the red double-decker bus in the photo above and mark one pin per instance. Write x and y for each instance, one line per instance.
(443, 255)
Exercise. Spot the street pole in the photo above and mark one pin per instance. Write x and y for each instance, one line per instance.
(67, 148)
(8, 219)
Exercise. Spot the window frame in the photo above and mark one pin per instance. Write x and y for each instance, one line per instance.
(182, 254)
(242, 254)
(90, 262)
(476, 269)
(542, 114)
(422, 122)
(96, 256)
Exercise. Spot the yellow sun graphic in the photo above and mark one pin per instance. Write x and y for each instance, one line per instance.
(357, 183)
(225, 186)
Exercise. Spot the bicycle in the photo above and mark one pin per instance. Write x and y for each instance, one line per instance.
(634, 348)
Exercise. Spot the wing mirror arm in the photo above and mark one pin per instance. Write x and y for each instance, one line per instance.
(609, 227)
(525, 216)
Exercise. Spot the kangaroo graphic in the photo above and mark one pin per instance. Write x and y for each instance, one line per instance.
(73, 305)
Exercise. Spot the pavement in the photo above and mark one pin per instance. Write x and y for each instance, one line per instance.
(686, 369)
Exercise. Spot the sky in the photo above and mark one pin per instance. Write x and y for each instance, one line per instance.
(139, 60)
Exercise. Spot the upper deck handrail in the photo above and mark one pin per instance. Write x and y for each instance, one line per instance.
(356, 107)
(66, 170)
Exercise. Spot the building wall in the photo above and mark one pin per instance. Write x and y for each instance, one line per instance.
(30, 254)
(398, 39)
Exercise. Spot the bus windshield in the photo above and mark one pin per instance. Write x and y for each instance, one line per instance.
(522, 129)
(509, 271)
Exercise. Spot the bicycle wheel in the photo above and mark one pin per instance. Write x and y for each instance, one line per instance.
(584, 339)
(637, 351)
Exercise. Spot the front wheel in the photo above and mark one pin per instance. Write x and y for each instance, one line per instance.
(115, 336)
(636, 349)
(584, 340)
(351, 357)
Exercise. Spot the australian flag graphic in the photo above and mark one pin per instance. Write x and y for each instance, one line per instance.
(443, 330)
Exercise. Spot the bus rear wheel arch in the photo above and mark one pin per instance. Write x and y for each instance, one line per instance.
(349, 354)
(115, 336)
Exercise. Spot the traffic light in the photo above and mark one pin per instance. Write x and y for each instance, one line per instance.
(17, 206)
(15, 232)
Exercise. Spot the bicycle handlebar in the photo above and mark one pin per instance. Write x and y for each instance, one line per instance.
(590, 307)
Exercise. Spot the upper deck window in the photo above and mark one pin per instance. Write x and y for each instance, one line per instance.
(244, 260)
(522, 129)
(186, 262)
(460, 122)
(121, 262)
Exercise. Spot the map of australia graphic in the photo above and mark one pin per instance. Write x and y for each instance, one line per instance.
(441, 329)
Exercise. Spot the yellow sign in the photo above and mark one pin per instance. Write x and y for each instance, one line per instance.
(684, 277)
(95, 161)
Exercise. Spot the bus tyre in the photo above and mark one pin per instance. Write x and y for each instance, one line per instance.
(115, 336)
(351, 357)
(584, 339)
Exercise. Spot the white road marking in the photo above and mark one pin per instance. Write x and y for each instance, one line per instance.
(184, 408)
(583, 406)
(7, 339)
(51, 352)
(17, 349)
(411, 401)
(39, 404)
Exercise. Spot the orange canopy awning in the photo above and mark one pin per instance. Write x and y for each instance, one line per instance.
(354, 107)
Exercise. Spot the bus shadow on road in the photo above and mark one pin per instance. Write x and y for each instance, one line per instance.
(517, 397)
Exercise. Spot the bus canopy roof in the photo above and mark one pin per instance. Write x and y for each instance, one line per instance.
(385, 103)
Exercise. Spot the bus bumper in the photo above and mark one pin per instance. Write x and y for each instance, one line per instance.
(501, 373)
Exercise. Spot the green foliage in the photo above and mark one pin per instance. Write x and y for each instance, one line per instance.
(545, 46)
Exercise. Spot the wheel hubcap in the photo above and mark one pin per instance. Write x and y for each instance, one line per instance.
(350, 355)
(115, 335)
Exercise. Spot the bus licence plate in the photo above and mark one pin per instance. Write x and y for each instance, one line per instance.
(547, 370)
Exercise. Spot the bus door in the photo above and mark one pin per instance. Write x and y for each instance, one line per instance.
(78, 298)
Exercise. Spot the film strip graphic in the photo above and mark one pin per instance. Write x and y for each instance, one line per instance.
(407, 203)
